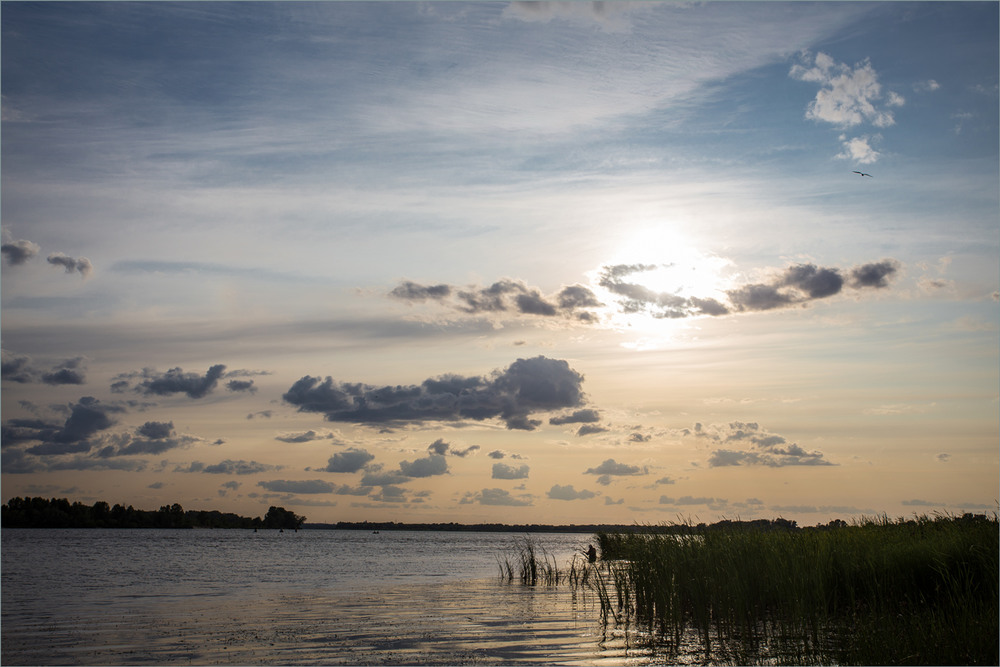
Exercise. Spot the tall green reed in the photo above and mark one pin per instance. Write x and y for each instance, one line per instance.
(918, 591)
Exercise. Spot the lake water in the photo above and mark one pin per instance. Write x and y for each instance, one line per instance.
(306, 597)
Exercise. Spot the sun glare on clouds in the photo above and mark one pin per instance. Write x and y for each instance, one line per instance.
(667, 263)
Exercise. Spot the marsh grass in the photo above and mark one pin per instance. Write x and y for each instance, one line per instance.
(919, 591)
(531, 565)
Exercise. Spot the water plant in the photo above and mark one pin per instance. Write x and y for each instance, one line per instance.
(916, 591)
(532, 563)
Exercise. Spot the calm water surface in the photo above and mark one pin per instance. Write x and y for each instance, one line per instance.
(306, 597)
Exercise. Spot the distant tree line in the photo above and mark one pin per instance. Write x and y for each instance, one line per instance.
(60, 513)
(683, 528)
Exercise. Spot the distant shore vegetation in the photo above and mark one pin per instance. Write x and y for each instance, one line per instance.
(60, 513)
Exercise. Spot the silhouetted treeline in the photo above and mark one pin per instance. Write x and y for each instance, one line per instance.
(60, 513)
(759, 524)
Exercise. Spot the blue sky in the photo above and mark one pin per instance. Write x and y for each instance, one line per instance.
(349, 258)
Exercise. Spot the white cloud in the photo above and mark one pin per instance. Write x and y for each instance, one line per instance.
(859, 149)
(847, 96)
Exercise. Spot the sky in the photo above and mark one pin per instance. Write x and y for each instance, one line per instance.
(478, 262)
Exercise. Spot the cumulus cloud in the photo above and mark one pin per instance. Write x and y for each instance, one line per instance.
(80, 265)
(303, 436)
(587, 415)
(150, 438)
(859, 149)
(795, 285)
(442, 448)
(504, 471)
(411, 291)
(71, 371)
(151, 382)
(612, 467)
(306, 486)
(19, 368)
(378, 478)
(747, 444)
(876, 274)
(527, 386)
(18, 252)
(505, 296)
(801, 283)
(173, 381)
(241, 385)
(228, 467)
(589, 429)
(352, 460)
(496, 497)
(31, 445)
(16, 367)
(692, 500)
(848, 95)
(429, 466)
(558, 492)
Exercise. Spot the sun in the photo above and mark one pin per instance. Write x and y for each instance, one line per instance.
(656, 266)
(680, 267)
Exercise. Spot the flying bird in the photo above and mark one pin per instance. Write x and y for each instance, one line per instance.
(861, 173)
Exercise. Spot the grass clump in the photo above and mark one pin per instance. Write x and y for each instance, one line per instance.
(531, 565)
(919, 591)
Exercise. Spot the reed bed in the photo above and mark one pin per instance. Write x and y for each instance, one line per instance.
(918, 591)
(532, 565)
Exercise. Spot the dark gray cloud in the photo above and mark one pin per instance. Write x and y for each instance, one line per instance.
(797, 284)
(87, 417)
(429, 466)
(802, 283)
(585, 416)
(306, 436)
(504, 471)
(374, 476)
(351, 460)
(612, 467)
(499, 497)
(590, 429)
(390, 494)
(16, 367)
(297, 486)
(18, 252)
(567, 492)
(156, 430)
(173, 381)
(228, 467)
(503, 296)
(241, 385)
(875, 275)
(442, 448)
(531, 385)
(150, 438)
(19, 368)
(71, 371)
(80, 265)
(758, 447)
(411, 291)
